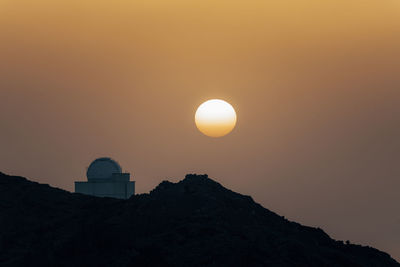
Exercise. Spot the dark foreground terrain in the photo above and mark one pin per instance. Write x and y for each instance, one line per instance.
(195, 222)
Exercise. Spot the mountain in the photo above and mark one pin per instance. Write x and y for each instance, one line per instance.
(195, 222)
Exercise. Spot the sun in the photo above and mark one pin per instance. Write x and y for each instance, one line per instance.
(215, 118)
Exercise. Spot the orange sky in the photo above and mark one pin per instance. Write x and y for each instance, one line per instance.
(315, 84)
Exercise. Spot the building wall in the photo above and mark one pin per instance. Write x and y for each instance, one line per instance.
(115, 189)
(130, 189)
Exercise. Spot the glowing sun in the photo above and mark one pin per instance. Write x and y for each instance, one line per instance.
(215, 118)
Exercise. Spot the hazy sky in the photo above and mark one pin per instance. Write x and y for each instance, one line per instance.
(316, 87)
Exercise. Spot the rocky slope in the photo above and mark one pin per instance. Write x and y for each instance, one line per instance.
(196, 222)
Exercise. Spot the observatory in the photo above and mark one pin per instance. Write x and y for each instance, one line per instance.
(106, 179)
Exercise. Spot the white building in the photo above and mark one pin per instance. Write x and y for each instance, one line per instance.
(105, 179)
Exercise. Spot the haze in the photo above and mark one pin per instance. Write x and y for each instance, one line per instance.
(315, 84)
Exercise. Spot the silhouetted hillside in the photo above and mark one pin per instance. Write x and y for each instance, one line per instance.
(195, 222)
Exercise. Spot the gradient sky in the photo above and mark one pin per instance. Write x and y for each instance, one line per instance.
(316, 87)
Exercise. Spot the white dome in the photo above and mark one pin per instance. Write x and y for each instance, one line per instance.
(103, 168)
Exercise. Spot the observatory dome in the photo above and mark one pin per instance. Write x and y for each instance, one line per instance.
(103, 168)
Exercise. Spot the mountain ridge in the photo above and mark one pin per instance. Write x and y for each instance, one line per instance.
(194, 222)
